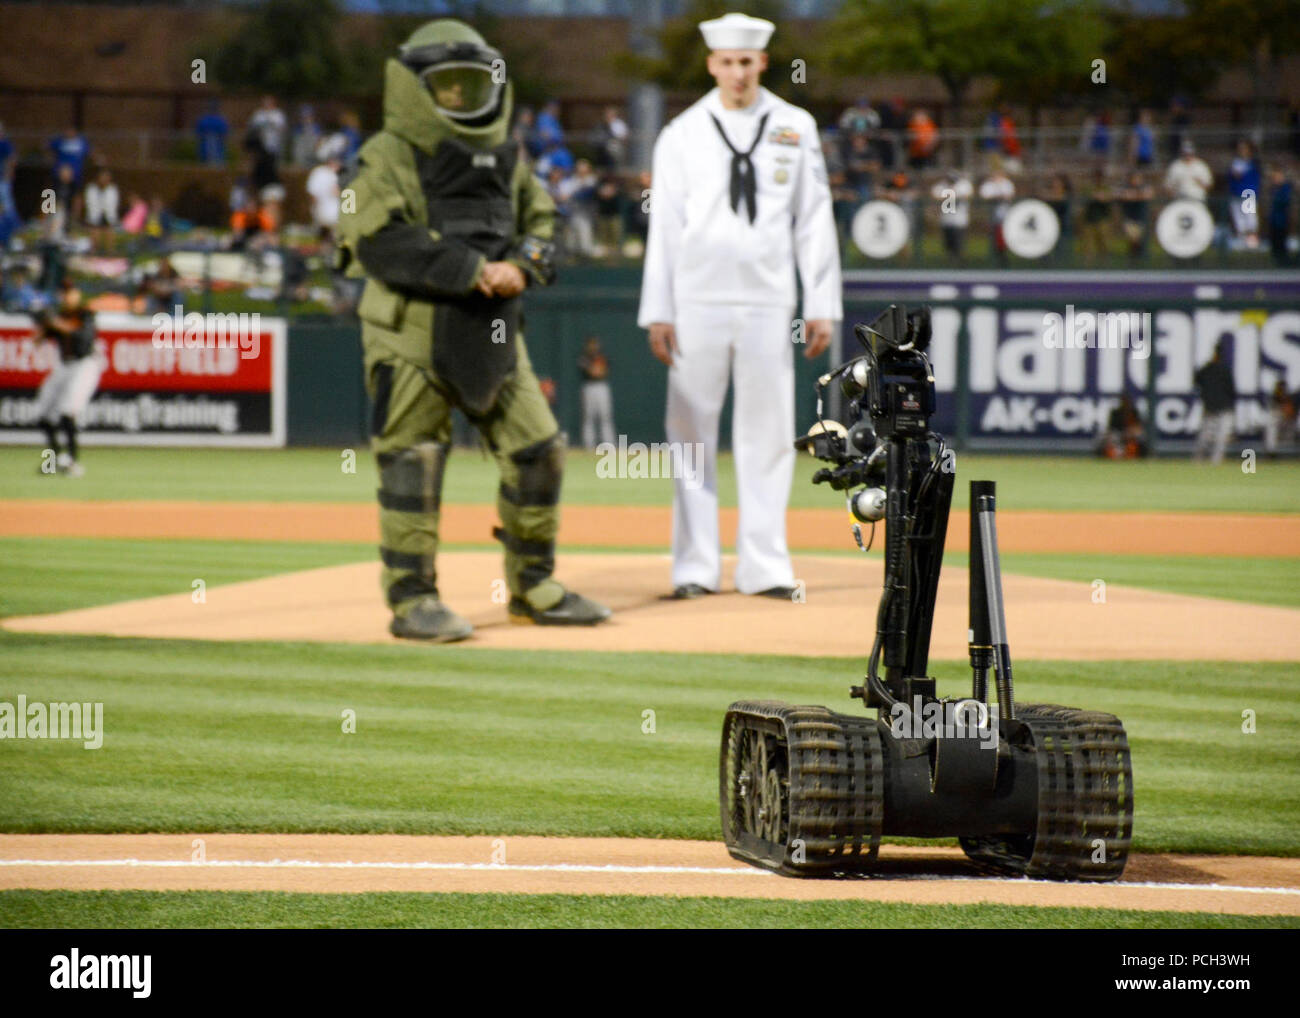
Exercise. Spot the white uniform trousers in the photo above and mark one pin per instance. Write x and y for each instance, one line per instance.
(597, 413)
(753, 345)
(67, 389)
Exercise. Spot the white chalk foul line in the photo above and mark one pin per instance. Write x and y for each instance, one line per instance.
(730, 871)
(370, 865)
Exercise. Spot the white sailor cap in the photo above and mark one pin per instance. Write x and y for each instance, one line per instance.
(737, 31)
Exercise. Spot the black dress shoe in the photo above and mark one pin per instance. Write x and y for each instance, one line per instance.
(690, 591)
(778, 593)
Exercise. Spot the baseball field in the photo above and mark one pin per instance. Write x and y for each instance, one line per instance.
(268, 756)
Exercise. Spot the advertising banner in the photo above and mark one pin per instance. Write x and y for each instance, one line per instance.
(174, 379)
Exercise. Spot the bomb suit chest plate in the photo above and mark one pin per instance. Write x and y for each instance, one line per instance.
(467, 192)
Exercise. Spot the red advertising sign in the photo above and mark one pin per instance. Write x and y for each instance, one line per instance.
(169, 380)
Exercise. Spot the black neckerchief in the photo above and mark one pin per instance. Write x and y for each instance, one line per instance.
(742, 169)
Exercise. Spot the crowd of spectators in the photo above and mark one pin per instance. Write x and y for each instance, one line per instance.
(1106, 185)
(1106, 188)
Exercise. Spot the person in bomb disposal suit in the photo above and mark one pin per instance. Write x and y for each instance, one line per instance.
(448, 226)
(738, 199)
(65, 393)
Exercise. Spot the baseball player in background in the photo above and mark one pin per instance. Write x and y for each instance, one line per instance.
(66, 391)
(738, 200)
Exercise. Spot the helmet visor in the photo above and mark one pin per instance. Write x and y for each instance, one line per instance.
(462, 90)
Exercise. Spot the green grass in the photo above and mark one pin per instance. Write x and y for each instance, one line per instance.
(248, 737)
(392, 910)
(81, 572)
(316, 475)
(1256, 580)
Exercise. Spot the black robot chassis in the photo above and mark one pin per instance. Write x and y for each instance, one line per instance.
(1038, 790)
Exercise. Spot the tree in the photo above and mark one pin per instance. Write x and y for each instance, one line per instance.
(1038, 50)
(681, 66)
(1257, 33)
(287, 48)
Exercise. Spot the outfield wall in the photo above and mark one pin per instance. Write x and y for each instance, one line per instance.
(1000, 385)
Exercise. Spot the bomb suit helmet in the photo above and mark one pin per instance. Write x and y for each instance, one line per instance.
(464, 75)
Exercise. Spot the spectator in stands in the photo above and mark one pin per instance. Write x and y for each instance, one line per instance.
(578, 194)
(1099, 141)
(525, 132)
(1244, 180)
(1280, 428)
(102, 201)
(609, 215)
(859, 118)
(998, 190)
(893, 120)
(350, 128)
(844, 199)
(1188, 176)
(268, 123)
(1142, 141)
(1179, 121)
(211, 130)
(898, 189)
(1135, 213)
(158, 223)
(306, 137)
(67, 202)
(860, 167)
(560, 195)
(1060, 198)
(158, 290)
(556, 157)
(991, 136)
(135, 216)
(547, 130)
(1218, 398)
(636, 221)
(1098, 207)
(611, 139)
(323, 192)
(17, 294)
(1009, 140)
(922, 140)
(240, 191)
(251, 225)
(954, 193)
(70, 149)
(1279, 216)
(10, 223)
(1124, 436)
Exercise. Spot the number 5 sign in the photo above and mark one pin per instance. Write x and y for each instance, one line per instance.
(1185, 228)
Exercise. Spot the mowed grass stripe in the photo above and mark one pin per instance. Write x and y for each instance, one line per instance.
(457, 741)
(397, 910)
(319, 475)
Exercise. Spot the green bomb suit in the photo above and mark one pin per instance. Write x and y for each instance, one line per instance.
(431, 202)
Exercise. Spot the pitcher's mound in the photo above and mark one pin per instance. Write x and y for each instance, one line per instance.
(1045, 618)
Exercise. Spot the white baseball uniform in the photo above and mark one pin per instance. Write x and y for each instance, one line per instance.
(66, 390)
(726, 282)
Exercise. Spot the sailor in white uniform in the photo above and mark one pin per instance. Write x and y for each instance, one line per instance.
(738, 199)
